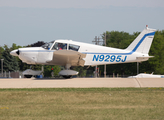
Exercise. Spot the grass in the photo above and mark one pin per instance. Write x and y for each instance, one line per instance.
(82, 103)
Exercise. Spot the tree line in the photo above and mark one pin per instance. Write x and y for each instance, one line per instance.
(114, 39)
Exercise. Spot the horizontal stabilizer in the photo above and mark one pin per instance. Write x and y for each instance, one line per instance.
(144, 58)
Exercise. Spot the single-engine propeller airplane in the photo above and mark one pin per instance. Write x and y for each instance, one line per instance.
(69, 53)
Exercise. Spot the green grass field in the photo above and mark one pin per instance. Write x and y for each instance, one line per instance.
(82, 104)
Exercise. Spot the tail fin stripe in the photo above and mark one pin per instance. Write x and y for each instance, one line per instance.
(148, 34)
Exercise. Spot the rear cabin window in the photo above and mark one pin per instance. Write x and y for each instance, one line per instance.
(73, 47)
(60, 46)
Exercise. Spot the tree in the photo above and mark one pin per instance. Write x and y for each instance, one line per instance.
(48, 70)
(82, 70)
(14, 46)
(156, 64)
(10, 63)
(1, 51)
(118, 39)
(37, 44)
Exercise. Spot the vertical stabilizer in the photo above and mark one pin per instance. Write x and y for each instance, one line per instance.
(143, 42)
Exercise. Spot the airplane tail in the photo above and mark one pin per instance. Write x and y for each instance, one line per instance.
(143, 42)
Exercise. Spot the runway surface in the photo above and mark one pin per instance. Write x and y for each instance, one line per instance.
(82, 83)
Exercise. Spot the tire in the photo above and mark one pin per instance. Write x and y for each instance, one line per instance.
(27, 76)
(67, 77)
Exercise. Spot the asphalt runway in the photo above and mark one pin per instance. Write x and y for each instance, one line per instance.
(82, 83)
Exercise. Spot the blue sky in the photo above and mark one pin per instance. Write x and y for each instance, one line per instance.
(25, 22)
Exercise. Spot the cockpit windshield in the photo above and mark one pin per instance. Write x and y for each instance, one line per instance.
(47, 45)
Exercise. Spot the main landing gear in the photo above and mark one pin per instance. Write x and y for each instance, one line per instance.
(68, 73)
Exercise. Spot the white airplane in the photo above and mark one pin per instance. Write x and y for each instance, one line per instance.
(70, 53)
(144, 75)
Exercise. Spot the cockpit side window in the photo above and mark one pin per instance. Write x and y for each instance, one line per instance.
(73, 47)
(59, 46)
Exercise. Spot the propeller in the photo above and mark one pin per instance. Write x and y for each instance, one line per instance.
(17, 52)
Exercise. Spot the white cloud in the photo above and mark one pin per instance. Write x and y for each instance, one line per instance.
(80, 3)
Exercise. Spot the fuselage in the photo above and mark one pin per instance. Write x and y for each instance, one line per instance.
(95, 54)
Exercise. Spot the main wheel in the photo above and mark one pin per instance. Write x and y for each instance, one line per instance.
(67, 76)
(27, 76)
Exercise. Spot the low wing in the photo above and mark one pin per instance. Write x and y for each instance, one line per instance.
(63, 57)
